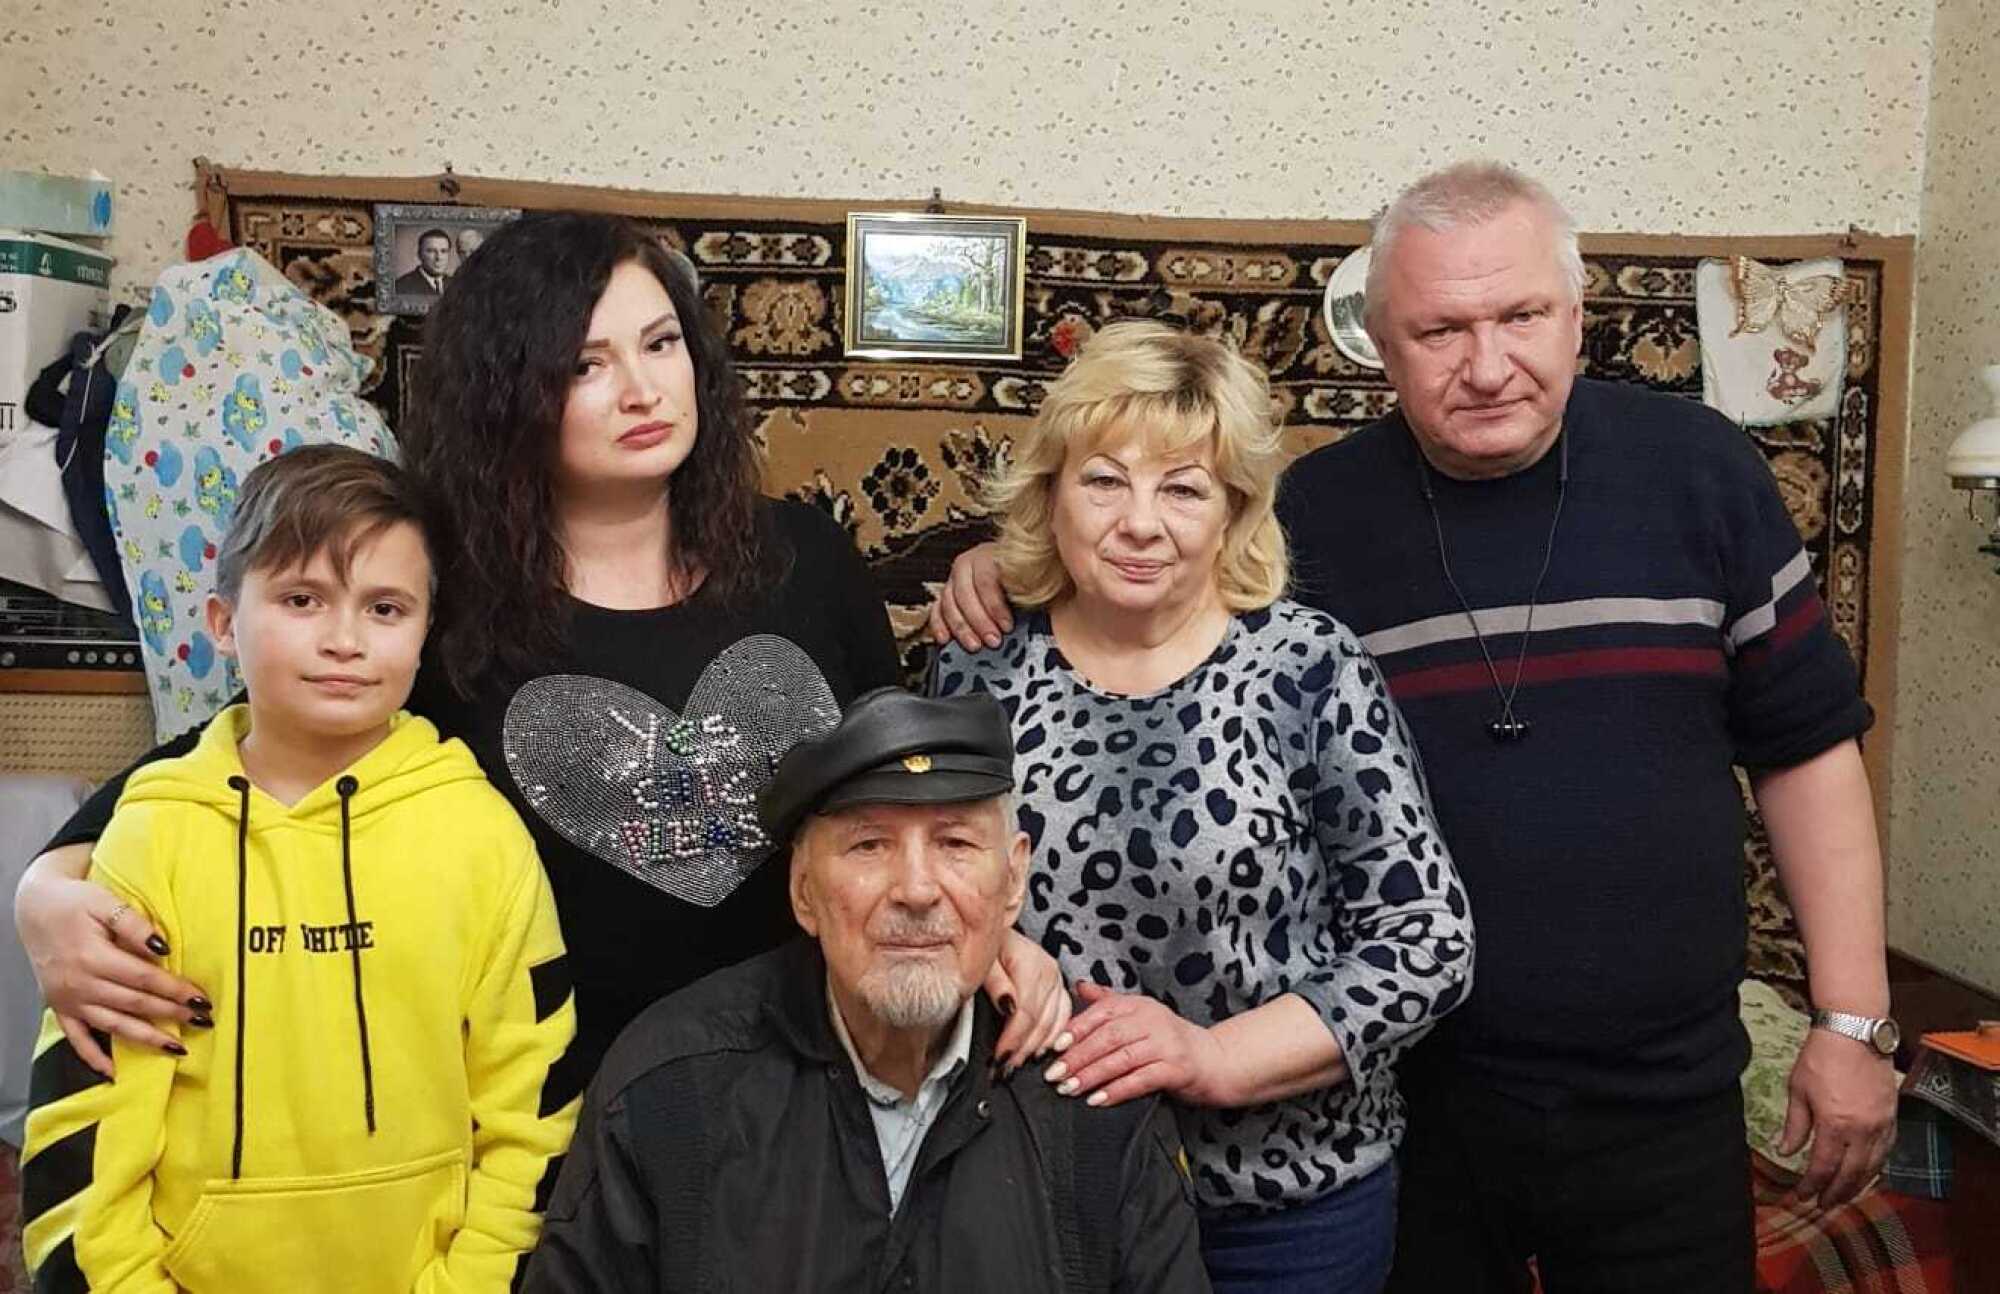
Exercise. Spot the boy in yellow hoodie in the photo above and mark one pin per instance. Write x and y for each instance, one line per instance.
(376, 1102)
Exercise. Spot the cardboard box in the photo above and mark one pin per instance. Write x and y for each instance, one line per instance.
(75, 206)
(49, 290)
(1957, 1073)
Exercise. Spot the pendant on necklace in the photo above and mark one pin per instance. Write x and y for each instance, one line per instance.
(1508, 730)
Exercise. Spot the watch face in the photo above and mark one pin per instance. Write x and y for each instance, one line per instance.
(1886, 1037)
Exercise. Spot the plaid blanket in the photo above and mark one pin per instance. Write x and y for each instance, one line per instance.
(1920, 1162)
(1880, 1243)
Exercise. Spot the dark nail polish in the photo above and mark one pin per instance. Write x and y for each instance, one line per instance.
(177, 1049)
(201, 1022)
(1006, 1006)
(158, 945)
(200, 1003)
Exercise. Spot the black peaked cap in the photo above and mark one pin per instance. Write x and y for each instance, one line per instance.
(893, 747)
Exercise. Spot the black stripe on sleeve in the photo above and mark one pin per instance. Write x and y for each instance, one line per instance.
(545, 1190)
(60, 1171)
(59, 1273)
(566, 1080)
(58, 1074)
(551, 981)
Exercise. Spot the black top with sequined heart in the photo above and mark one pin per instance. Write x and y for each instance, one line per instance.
(636, 758)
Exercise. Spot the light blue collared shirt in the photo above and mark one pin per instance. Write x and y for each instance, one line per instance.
(900, 1123)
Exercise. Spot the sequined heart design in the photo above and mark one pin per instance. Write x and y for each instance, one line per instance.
(672, 799)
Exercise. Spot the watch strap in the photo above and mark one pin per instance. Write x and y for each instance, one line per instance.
(1863, 1029)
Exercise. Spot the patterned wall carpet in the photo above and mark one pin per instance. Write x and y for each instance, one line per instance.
(896, 449)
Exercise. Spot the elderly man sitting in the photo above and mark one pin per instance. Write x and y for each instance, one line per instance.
(826, 1116)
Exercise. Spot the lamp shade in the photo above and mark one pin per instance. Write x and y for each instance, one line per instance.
(1973, 461)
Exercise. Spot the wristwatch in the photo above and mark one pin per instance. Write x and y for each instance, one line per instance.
(1880, 1035)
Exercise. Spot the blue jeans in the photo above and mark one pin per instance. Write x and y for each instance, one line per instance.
(1339, 1244)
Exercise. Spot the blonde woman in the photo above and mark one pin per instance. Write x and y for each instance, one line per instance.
(1234, 853)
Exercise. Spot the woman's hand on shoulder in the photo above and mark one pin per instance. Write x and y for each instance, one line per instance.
(1027, 985)
(972, 608)
(1126, 1045)
(93, 955)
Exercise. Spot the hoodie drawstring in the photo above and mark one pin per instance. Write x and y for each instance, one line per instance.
(241, 785)
(347, 786)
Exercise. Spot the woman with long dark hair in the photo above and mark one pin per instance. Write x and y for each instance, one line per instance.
(628, 636)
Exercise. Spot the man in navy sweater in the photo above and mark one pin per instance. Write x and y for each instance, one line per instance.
(1591, 605)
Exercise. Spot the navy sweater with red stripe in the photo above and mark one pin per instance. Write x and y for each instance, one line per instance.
(1679, 634)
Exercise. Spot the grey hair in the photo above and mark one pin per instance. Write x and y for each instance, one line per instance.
(1468, 193)
(1007, 818)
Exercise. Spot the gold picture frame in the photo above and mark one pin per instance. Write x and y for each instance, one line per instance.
(924, 286)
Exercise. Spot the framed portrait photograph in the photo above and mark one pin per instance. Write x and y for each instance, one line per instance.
(418, 248)
(934, 287)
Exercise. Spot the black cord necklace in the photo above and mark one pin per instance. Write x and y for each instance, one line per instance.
(1509, 727)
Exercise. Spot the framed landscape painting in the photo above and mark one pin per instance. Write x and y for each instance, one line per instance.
(934, 287)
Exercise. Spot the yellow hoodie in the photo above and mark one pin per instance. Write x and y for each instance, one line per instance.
(382, 1093)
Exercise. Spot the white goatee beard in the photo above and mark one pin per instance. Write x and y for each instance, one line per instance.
(912, 996)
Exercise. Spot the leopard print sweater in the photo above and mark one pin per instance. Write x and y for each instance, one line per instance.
(1260, 827)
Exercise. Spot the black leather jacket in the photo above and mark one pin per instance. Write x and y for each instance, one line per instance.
(726, 1145)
